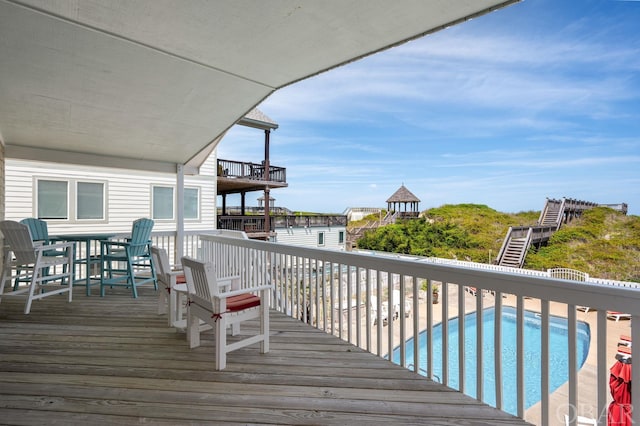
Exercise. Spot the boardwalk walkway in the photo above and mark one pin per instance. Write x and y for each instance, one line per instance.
(112, 360)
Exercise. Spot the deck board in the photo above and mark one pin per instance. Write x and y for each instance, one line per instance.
(112, 360)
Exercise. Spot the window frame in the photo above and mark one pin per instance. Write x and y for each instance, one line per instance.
(322, 240)
(72, 199)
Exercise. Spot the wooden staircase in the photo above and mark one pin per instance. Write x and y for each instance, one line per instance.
(518, 240)
(552, 213)
(515, 247)
(354, 234)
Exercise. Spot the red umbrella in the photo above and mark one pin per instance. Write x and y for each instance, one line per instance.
(619, 413)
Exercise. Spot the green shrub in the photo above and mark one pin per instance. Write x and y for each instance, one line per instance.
(602, 242)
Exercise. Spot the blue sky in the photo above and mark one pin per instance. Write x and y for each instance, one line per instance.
(540, 99)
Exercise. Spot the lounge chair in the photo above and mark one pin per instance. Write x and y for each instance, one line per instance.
(624, 354)
(617, 316)
(624, 340)
(581, 421)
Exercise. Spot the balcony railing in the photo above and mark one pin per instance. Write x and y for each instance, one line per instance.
(355, 296)
(251, 171)
(346, 293)
(254, 223)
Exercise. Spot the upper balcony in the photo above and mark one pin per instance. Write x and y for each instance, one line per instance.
(238, 176)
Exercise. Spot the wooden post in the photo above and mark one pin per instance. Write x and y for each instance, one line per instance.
(267, 202)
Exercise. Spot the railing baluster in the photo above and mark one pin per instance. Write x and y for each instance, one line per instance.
(359, 310)
(573, 368)
(520, 354)
(401, 317)
(368, 308)
(497, 345)
(544, 386)
(303, 291)
(323, 287)
(416, 324)
(461, 340)
(603, 368)
(445, 332)
(317, 288)
(479, 345)
(340, 301)
(391, 313)
(349, 304)
(429, 311)
(379, 312)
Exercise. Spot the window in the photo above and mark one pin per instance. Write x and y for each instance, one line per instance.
(320, 238)
(163, 202)
(341, 237)
(191, 204)
(162, 197)
(89, 201)
(52, 199)
(70, 200)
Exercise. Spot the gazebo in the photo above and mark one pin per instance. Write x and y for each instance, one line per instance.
(404, 202)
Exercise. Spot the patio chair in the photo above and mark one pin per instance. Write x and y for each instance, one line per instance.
(220, 302)
(38, 228)
(40, 235)
(134, 254)
(172, 287)
(33, 266)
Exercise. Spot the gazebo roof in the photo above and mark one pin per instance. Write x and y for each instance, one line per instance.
(403, 195)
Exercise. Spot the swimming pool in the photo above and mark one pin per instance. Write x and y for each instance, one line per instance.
(558, 353)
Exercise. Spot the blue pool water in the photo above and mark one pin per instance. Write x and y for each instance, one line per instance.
(558, 352)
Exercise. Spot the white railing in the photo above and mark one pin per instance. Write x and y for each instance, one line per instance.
(343, 293)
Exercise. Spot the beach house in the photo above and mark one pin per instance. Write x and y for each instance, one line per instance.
(152, 87)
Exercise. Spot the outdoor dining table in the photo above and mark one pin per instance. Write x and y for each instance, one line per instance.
(85, 258)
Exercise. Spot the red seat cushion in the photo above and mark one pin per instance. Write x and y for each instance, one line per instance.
(241, 302)
(181, 279)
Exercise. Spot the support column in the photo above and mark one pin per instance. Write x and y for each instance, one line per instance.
(179, 247)
(267, 201)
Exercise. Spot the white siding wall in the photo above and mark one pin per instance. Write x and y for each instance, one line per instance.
(308, 237)
(128, 195)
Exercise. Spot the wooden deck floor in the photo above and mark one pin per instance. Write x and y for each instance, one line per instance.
(112, 360)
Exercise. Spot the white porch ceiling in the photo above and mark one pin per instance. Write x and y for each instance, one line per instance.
(157, 81)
